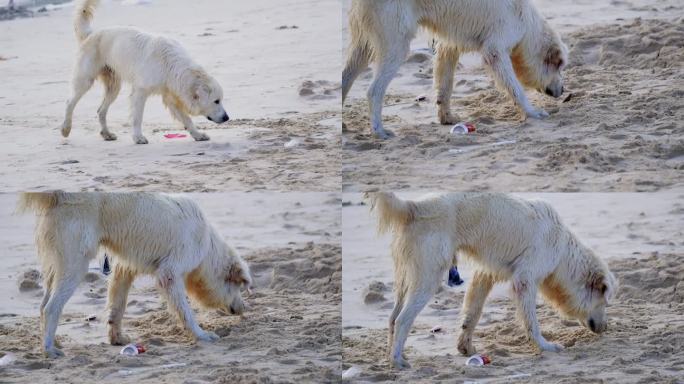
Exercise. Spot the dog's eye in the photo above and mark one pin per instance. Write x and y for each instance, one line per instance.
(217, 101)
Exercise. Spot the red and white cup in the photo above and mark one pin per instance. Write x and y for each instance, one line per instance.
(462, 128)
(133, 349)
(478, 360)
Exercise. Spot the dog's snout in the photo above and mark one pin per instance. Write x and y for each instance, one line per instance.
(225, 118)
(554, 93)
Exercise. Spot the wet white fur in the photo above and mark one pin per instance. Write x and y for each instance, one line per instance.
(164, 236)
(381, 32)
(507, 239)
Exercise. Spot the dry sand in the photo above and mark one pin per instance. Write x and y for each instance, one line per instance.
(261, 52)
(639, 234)
(618, 127)
(289, 334)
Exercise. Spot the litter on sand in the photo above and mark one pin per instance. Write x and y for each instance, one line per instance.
(472, 147)
(175, 135)
(462, 128)
(133, 349)
(351, 373)
(478, 360)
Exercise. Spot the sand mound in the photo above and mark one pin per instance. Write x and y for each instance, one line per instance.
(375, 292)
(657, 279)
(29, 280)
(642, 44)
(312, 268)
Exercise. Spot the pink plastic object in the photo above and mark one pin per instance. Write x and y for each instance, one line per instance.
(175, 135)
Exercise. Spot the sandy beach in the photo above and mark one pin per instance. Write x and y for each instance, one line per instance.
(280, 86)
(640, 235)
(618, 127)
(290, 332)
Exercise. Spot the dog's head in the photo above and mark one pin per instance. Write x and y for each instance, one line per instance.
(206, 97)
(542, 70)
(220, 287)
(599, 289)
(237, 275)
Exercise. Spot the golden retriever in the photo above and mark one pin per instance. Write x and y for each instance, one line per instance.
(151, 64)
(160, 235)
(516, 43)
(508, 239)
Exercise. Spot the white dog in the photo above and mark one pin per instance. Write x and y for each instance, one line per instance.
(508, 238)
(516, 44)
(151, 64)
(160, 235)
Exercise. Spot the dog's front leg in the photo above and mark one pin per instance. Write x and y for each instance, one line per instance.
(499, 62)
(525, 294)
(445, 65)
(138, 99)
(173, 287)
(472, 309)
(118, 294)
(385, 70)
(187, 122)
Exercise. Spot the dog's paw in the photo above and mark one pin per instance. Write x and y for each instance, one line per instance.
(383, 134)
(207, 336)
(199, 136)
(465, 346)
(535, 113)
(66, 130)
(446, 118)
(550, 347)
(53, 353)
(108, 136)
(399, 363)
(118, 338)
(140, 139)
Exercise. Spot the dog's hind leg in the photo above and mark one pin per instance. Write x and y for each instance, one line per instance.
(525, 295)
(112, 84)
(67, 278)
(179, 115)
(84, 75)
(416, 299)
(398, 306)
(386, 68)
(119, 286)
(173, 288)
(476, 295)
(499, 62)
(357, 60)
(138, 99)
(48, 281)
(445, 65)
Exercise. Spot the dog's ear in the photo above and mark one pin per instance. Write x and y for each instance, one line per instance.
(554, 56)
(602, 285)
(238, 274)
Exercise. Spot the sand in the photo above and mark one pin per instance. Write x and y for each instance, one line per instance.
(618, 127)
(290, 332)
(640, 235)
(261, 66)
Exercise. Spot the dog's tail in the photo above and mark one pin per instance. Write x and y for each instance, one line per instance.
(392, 212)
(82, 18)
(38, 201)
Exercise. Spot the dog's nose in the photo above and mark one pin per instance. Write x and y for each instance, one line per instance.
(209, 118)
(225, 118)
(592, 325)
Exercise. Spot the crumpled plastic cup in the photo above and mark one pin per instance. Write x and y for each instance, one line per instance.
(132, 349)
(478, 360)
(462, 128)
